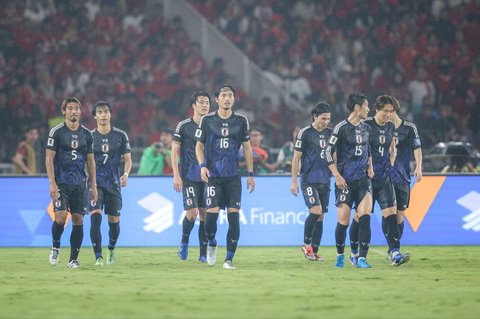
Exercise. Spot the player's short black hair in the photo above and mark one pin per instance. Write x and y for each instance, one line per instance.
(196, 94)
(320, 108)
(396, 103)
(224, 87)
(354, 99)
(383, 100)
(166, 130)
(71, 99)
(101, 103)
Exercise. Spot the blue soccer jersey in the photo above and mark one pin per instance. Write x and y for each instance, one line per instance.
(351, 143)
(222, 139)
(108, 150)
(407, 140)
(71, 149)
(185, 134)
(380, 140)
(313, 145)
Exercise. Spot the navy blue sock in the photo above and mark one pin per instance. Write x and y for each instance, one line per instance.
(96, 234)
(392, 232)
(353, 234)
(308, 228)
(364, 235)
(385, 233)
(233, 234)
(57, 231)
(202, 239)
(187, 227)
(340, 235)
(400, 228)
(317, 235)
(76, 239)
(113, 233)
(211, 228)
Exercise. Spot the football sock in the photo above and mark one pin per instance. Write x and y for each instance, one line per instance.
(202, 239)
(353, 234)
(113, 234)
(96, 234)
(211, 228)
(308, 228)
(187, 227)
(57, 231)
(340, 235)
(392, 232)
(400, 228)
(233, 233)
(364, 234)
(317, 235)
(385, 233)
(76, 239)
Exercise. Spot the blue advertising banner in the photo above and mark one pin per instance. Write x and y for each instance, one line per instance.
(445, 211)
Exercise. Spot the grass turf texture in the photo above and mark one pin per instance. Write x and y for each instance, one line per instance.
(269, 282)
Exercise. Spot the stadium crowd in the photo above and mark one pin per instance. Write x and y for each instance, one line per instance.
(126, 52)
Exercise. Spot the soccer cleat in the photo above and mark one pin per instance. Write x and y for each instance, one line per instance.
(99, 261)
(354, 259)
(211, 255)
(362, 263)
(307, 252)
(73, 264)
(318, 257)
(228, 265)
(183, 251)
(54, 254)
(399, 259)
(111, 259)
(202, 259)
(340, 262)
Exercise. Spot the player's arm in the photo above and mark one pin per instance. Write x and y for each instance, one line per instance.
(49, 156)
(127, 167)
(248, 153)
(417, 154)
(297, 155)
(200, 154)
(370, 171)
(177, 180)
(92, 175)
(17, 159)
(332, 164)
(393, 151)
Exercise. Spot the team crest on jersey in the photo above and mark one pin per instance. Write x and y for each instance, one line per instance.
(323, 143)
(382, 139)
(224, 131)
(358, 139)
(105, 148)
(74, 144)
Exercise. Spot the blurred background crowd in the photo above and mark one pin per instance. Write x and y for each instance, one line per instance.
(146, 64)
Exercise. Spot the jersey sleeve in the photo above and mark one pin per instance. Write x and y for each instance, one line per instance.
(332, 145)
(415, 138)
(246, 130)
(200, 131)
(178, 134)
(89, 142)
(52, 140)
(125, 143)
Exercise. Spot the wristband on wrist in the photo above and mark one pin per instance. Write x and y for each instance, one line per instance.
(125, 174)
(250, 174)
(202, 165)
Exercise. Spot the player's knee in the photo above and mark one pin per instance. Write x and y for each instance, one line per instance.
(113, 219)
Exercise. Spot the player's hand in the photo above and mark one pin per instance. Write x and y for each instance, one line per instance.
(250, 184)
(124, 180)
(418, 174)
(340, 182)
(205, 174)
(94, 193)
(294, 189)
(54, 194)
(177, 183)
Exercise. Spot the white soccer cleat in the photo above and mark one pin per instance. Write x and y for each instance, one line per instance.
(228, 265)
(73, 264)
(54, 254)
(211, 255)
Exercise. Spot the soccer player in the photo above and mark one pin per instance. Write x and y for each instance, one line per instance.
(352, 170)
(110, 144)
(407, 142)
(69, 147)
(382, 147)
(310, 146)
(187, 178)
(219, 137)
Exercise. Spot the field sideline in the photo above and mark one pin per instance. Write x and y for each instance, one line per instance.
(269, 282)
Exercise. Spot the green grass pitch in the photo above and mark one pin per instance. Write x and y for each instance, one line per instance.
(269, 282)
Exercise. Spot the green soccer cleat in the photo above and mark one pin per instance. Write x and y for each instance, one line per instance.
(111, 259)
